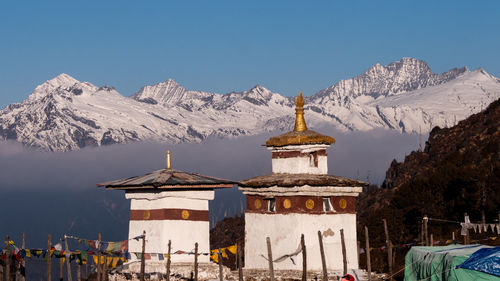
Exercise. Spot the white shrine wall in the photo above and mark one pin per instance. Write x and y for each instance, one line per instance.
(300, 159)
(179, 216)
(284, 231)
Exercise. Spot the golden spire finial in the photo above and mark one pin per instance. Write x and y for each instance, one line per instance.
(300, 122)
(169, 166)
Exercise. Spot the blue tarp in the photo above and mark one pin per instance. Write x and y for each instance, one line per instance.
(485, 260)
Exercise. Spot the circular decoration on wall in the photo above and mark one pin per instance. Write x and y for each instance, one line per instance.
(287, 203)
(146, 214)
(185, 214)
(309, 204)
(342, 203)
(257, 204)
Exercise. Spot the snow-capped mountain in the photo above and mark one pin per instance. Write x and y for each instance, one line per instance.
(65, 114)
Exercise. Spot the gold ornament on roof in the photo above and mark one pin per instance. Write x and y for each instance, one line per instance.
(300, 134)
(169, 161)
(300, 122)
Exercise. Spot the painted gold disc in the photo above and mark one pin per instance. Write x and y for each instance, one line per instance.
(257, 204)
(287, 203)
(185, 214)
(343, 203)
(309, 204)
(146, 214)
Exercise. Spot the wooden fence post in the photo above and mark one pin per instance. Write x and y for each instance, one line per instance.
(169, 260)
(421, 234)
(432, 240)
(143, 259)
(78, 271)
(498, 230)
(196, 261)
(105, 268)
(453, 237)
(22, 276)
(270, 259)
(357, 248)
(368, 262)
(426, 233)
(389, 247)
(61, 266)
(322, 253)
(240, 262)
(68, 256)
(98, 265)
(2, 272)
(49, 262)
(466, 237)
(221, 276)
(7, 259)
(344, 254)
(304, 258)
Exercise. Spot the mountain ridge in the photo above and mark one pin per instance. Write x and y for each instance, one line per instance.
(65, 114)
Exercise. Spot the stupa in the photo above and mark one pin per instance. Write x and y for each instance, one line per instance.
(170, 205)
(300, 197)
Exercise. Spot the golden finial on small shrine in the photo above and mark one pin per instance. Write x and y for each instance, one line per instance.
(300, 122)
(169, 166)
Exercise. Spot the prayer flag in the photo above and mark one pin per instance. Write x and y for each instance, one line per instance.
(233, 249)
(215, 258)
(115, 262)
(124, 246)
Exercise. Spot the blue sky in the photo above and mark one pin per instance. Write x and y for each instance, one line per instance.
(223, 46)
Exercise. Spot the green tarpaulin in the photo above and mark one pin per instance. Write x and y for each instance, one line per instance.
(439, 264)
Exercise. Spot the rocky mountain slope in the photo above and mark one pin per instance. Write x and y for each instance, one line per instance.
(65, 114)
(458, 171)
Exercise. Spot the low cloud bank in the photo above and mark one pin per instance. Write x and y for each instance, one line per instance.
(56, 192)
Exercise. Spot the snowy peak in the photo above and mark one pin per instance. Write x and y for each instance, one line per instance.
(61, 85)
(62, 79)
(406, 75)
(166, 93)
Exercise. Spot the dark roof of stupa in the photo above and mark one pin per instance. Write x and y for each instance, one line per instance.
(169, 179)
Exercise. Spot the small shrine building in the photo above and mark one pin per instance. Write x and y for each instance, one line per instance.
(170, 205)
(300, 197)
